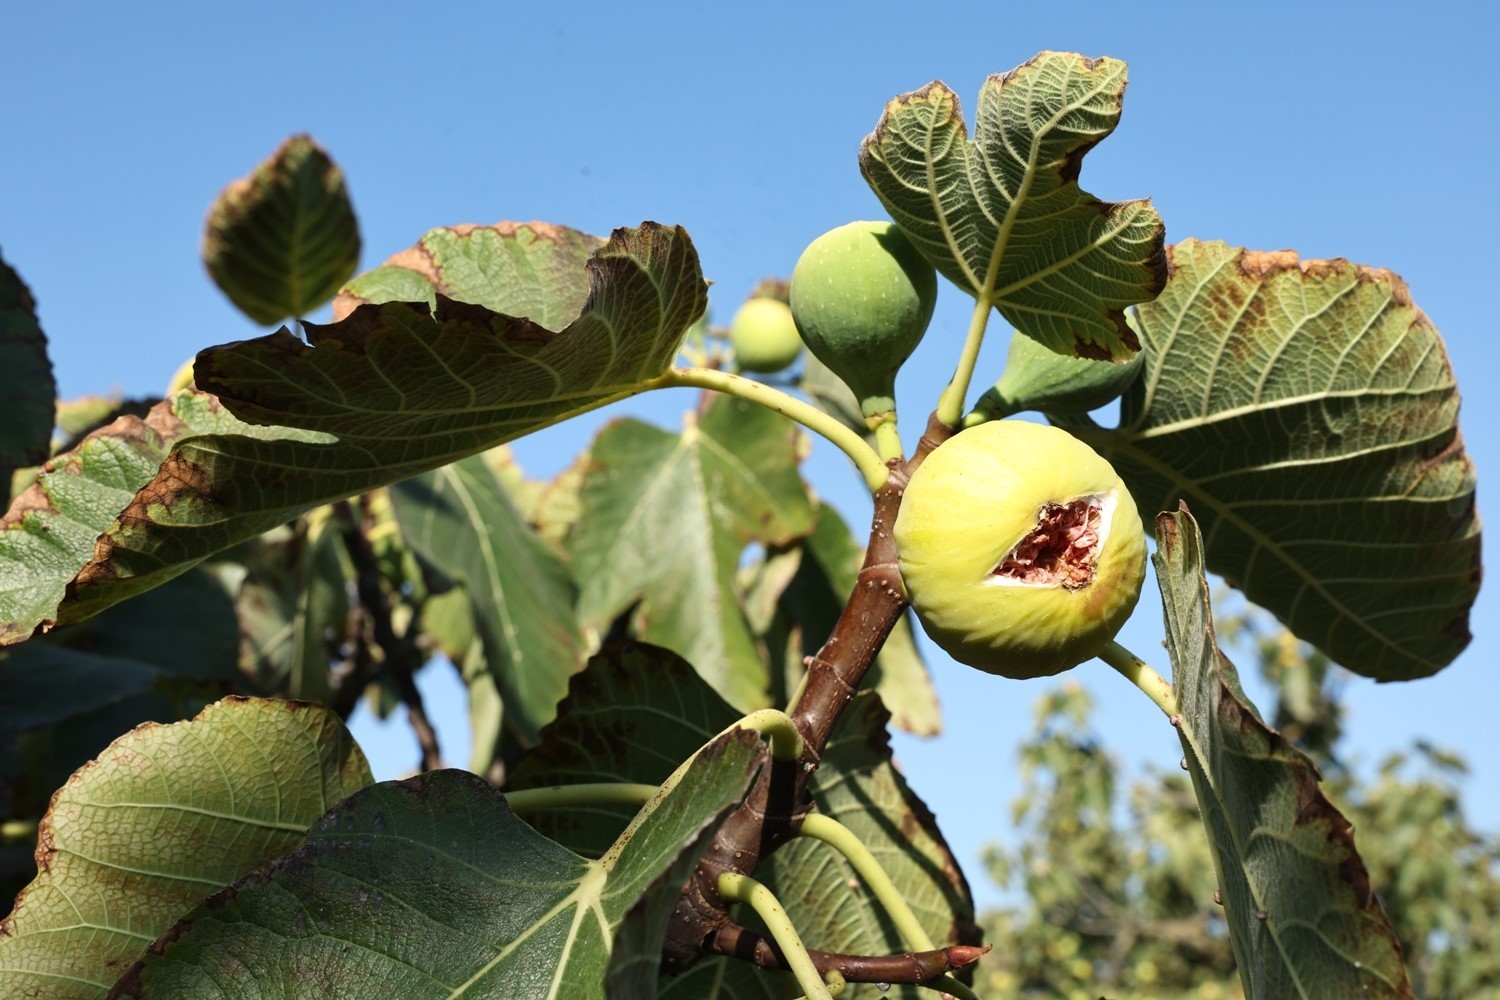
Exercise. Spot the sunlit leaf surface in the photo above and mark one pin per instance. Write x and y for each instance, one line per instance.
(164, 817)
(1307, 412)
(1002, 215)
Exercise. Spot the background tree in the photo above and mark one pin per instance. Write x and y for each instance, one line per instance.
(1116, 886)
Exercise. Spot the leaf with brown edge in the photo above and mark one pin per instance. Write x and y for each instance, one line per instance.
(26, 404)
(1002, 215)
(392, 390)
(165, 816)
(1308, 412)
(281, 241)
(1303, 918)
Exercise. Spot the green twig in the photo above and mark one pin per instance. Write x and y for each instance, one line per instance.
(786, 741)
(1136, 671)
(888, 439)
(744, 889)
(864, 457)
(595, 794)
(839, 837)
(950, 405)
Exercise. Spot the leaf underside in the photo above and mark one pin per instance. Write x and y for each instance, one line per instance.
(1302, 916)
(165, 816)
(283, 240)
(1308, 413)
(1002, 215)
(390, 391)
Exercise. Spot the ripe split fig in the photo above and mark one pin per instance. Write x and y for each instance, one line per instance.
(764, 336)
(1021, 549)
(862, 297)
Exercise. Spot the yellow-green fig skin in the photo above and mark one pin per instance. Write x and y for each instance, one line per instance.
(969, 504)
(764, 336)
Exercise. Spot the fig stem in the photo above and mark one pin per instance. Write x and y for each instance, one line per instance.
(839, 837)
(950, 405)
(850, 443)
(888, 440)
(786, 740)
(586, 794)
(742, 888)
(1138, 672)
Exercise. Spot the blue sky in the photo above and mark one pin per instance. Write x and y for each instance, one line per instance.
(1334, 129)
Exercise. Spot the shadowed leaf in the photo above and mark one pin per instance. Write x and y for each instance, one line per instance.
(1002, 216)
(165, 816)
(391, 391)
(433, 888)
(1302, 916)
(26, 404)
(281, 241)
(611, 729)
(1307, 411)
(665, 518)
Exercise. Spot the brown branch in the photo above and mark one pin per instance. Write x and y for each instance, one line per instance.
(911, 967)
(400, 657)
(773, 811)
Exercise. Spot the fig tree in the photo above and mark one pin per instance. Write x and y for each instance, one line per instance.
(862, 297)
(1021, 549)
(764, 336)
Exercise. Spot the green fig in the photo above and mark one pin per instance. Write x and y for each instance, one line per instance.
(862, 297)
(1021, 549)
(1038, 378)
(764, 336)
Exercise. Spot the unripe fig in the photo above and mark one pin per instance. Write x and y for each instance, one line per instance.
(764, 336)
(862, 297)
(1038, 378)
(1021, 549)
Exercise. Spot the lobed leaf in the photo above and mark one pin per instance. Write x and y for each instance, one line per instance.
(166, 815)
(1002, 215)
(281, 241)
(1302, 915)
(664, 520)
(26, 405)
(433, 888)
(1307, 409)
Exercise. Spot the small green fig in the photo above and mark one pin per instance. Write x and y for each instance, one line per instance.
(1021, 549)
(1038, 378)
(862, 297)
(764, 336)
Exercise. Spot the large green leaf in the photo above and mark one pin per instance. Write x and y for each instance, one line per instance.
(1308, 412)
(610, 729)
(1302, 916)
(388, 392)
(166, 815)
(858, 785)
(1003, 217)
(665, 519)
(26, 403)
(281, 241)
(433, 888)
(459, 520)
(51, 529)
